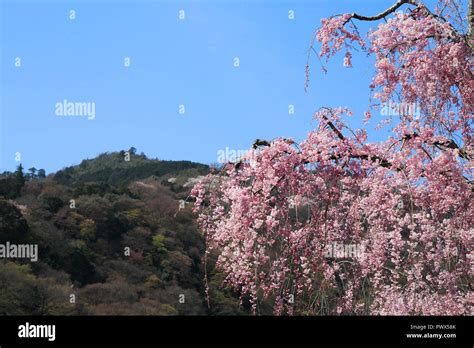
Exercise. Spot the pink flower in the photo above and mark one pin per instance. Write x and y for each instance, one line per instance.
(286, 221)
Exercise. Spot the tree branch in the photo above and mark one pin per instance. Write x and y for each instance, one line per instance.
(447, 144)
(385, 13)
(259, 142)
(333, 127)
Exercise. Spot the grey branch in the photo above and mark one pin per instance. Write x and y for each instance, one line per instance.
(385, 13)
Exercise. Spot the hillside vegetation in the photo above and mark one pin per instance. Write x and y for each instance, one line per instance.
(115, 235)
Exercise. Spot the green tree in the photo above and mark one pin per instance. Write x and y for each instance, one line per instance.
(8, 187)
(159, 243)
(53, 204)
(41, 174)
(32, 171)
(19, 178)
(87, 229)
(13, 227)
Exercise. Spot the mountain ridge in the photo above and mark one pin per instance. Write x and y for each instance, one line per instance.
(113, 238)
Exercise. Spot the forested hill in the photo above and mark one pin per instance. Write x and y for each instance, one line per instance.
(121, 168)
(115, 234)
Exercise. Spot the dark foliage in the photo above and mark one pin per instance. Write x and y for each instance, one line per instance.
(112, 240)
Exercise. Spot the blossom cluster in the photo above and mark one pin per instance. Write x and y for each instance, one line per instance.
(273, 218)
(407, 201)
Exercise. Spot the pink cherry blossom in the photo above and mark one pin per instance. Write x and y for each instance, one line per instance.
(406, 202)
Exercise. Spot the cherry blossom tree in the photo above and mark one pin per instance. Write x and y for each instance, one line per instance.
(405, 203)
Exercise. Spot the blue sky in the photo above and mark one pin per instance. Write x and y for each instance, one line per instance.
(174, 62)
